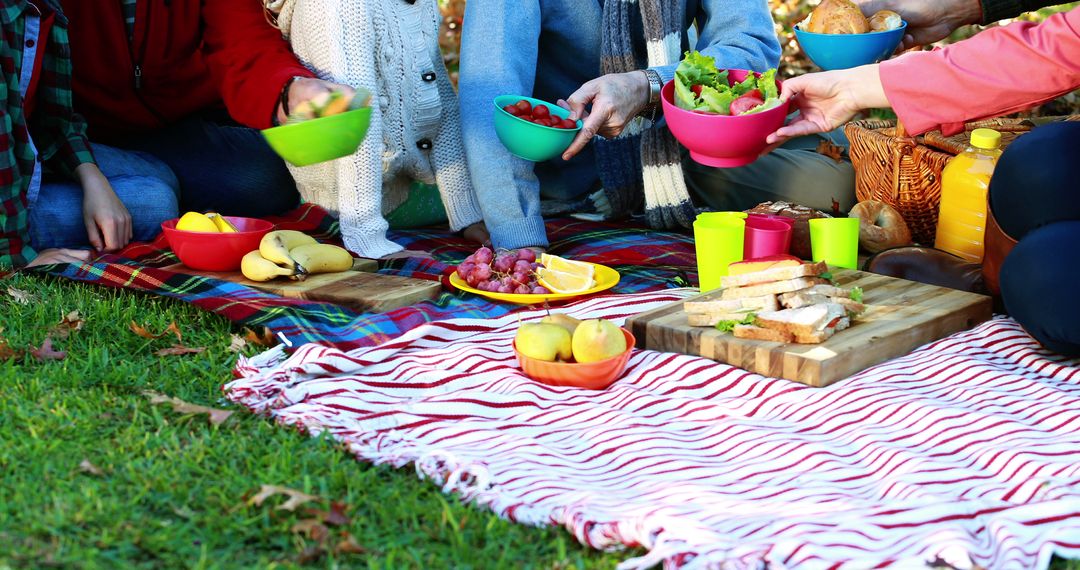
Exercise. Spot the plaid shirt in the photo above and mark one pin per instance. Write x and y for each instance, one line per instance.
(59, 134)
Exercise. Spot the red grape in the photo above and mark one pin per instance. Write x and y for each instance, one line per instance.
(483, 255)
(522, 266)
(526, 254)
(505, 289)
(539, 290)
(503, 263)
(523, 290)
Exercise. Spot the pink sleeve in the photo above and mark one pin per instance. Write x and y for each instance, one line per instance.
(997, 72)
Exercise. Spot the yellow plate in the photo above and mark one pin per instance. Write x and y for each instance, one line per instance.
(606, 278)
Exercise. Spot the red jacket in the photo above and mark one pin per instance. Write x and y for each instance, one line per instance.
(186, 56)
(997, 72)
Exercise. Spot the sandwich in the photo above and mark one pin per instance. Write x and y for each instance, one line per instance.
(805, 325)
(851, 299)
(712, 313)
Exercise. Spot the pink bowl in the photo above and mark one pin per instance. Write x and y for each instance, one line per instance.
(721, 140)
(766, 235)
(207, 251)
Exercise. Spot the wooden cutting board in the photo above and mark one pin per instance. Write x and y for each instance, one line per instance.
(901, 315)
(359, 289)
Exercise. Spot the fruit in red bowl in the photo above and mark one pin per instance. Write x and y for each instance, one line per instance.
(216, 251)
(594, 375)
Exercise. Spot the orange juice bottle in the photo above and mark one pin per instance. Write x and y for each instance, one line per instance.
(964, 184)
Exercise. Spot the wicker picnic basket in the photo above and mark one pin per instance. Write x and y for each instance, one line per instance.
(905, 171)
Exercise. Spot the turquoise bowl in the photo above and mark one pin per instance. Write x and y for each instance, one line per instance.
(318, 140)
(528, 140)
(843, 51)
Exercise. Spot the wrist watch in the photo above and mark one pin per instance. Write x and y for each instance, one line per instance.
(649, 111)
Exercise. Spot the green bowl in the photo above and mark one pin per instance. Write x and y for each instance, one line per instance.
(322, 139)
(529, 140)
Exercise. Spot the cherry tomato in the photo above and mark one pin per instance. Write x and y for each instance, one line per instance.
(744, 104)
(524, 106)
(696, 89)
(568, 124)
(511, 109)
(756, 93)
(541, 112)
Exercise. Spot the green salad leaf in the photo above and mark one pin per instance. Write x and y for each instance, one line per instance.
(700, 86)
(729, 326)
(856, 294)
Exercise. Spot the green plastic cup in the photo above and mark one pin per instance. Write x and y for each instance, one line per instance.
(525, 139)
(835, 241)
(718, 241)
(318, 140)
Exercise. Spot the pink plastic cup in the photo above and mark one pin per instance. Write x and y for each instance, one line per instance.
(766, 235)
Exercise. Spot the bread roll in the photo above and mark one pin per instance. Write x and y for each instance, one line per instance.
(880, 226)
(885, 20)
(838, 17)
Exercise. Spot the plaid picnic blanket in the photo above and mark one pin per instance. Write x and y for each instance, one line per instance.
(963, 454)
(647, 260)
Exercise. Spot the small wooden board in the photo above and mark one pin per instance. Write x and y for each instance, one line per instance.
(901, 315)
(359, 289)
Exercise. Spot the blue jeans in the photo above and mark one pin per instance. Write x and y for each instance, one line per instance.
(222, 167)
(143, 183)
(1034, 200)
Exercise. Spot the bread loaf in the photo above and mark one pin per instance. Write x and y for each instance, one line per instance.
(800, 233)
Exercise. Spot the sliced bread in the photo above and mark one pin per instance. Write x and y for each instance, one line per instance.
(777, 274)
(712, 319)
(804, 320)
(774, 288)
(759, 333)
(764, 303)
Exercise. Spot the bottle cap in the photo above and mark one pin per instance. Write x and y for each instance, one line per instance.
(985, 138)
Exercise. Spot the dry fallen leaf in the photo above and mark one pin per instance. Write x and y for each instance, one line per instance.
(216, 416)
(179, 349)
(6, 352)
(90, 469)
(135, 328)
(20, 296)
(266, 339)
(47, 352)
(311, 554)
(70, 323)
(348, 545)
(236, 344)
(296, 498)
(833, 151)
(334, 517)
(5, 273)
(313, 528)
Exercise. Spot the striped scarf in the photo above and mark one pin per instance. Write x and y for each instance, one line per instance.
(644, 160)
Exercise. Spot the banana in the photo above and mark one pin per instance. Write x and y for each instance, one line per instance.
(275, 247)
(224, 226)
(257, 268)
(321, 258)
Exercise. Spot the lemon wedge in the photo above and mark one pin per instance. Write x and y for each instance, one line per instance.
(556, 263)
(560, 282)
(196, 222)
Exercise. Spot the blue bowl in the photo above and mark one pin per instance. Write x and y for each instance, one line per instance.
(843, 51)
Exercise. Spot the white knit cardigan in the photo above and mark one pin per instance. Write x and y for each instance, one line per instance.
(392, 48)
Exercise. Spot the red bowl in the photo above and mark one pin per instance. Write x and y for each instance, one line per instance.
(590, 375)
(213, 251)
(721, 140)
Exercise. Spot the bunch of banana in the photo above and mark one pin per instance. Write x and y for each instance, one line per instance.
(292, 254)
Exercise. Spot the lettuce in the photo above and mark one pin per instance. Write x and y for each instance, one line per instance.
(768, 104)
(684, 96)
(716, 95)
(856, 294)
(767, 84)
(718, 102)
(729, 326)
(697, 69)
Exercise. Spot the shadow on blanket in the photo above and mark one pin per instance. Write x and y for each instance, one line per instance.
(647, 259)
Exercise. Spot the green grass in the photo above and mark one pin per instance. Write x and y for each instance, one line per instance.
(174, 488)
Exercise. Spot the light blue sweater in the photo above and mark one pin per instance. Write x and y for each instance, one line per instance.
(549, 48)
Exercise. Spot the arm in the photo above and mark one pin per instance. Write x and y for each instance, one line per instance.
(997, 72)
(498, 56)
(738, 34)
(250, 60)
(933, 20)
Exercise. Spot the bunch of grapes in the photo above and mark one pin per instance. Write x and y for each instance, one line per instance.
(508, 272)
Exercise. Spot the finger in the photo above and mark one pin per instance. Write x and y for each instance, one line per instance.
(74, 255)
(773, 145)
(579, 99)
(110, 230)
(92, 234)
(797, 128)
(128, 230)
(589, 128)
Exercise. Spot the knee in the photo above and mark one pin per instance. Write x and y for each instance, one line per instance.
(1038, 272)
(156, 203)
(1033, 183)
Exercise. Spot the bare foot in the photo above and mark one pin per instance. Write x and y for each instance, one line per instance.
(477, 233)
(407, 253)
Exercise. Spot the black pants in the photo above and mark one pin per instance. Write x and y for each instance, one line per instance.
(1035, 197)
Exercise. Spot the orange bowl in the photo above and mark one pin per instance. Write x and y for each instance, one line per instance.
(213, 251)
(590, 375)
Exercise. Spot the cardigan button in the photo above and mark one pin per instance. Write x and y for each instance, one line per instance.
(429, 76)
(423, 144)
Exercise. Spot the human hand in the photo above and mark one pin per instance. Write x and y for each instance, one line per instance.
(108, 222)
(927, 20)
(307, 88)
(58, 255)
(616, 98)
(829, 99)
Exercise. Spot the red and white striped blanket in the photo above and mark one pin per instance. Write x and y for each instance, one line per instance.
(966, 451)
